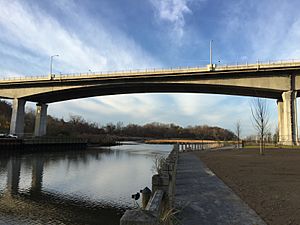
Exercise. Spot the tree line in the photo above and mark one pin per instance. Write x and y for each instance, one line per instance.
(77, 126)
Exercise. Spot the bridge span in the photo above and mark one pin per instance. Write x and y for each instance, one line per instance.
(278, 80)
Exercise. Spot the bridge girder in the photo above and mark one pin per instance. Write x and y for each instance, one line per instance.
(251, 84)
(276, 81)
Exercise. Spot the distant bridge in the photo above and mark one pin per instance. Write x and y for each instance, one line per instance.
(276, 80)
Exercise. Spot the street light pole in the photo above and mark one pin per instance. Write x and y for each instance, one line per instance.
(210, 52)
(51, 62)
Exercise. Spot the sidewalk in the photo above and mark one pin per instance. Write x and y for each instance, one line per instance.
(205, 200)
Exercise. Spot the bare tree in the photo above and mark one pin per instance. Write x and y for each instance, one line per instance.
(238, 132)
(276, 136)
(158, 162)
(260, 119)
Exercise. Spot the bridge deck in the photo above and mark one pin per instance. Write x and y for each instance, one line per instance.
(204, 199)
(270, 65)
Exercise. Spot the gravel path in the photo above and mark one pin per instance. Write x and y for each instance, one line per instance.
(203, 198)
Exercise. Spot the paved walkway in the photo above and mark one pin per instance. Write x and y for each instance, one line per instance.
(205, 199)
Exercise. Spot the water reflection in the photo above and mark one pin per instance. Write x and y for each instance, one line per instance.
(82, 187)
(13, 175)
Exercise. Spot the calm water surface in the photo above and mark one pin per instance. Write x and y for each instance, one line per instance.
(81, 187)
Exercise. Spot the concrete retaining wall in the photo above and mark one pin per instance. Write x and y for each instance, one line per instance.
(163, 186)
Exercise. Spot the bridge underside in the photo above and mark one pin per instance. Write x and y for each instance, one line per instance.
(115, 89)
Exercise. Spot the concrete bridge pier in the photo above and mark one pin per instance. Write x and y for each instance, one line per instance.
(287, 118)
(17, 117)
(40, 120)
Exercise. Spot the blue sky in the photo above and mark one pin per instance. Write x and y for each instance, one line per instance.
(136, 34)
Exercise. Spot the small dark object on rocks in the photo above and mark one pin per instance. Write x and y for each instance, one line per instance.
(136, 196)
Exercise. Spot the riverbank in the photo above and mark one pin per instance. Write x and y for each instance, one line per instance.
(91, 186)
(42, 143)
(269, 184)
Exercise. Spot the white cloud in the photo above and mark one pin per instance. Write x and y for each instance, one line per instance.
(137, 108)
(10, 73)
(35, 31)
(182, 109)
(173, 12)
(191, 104)
(267, 31)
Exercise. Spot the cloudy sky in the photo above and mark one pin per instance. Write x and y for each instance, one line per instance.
(129, 34)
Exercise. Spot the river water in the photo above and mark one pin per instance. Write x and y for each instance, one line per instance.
(93, 186)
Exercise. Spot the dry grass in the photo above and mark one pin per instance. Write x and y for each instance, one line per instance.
(174, 141)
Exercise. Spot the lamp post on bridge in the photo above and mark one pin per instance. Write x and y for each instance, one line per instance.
(210, 66)
(210, 52)
(51, 62)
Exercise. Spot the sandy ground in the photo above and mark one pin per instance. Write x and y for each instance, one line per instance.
(269, 184)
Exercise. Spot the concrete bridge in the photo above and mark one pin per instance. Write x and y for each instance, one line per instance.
(278, 80)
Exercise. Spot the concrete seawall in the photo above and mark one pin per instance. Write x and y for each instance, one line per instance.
(17, 144)
(161, 201)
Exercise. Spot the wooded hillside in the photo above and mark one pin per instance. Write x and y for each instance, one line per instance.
(77, 126)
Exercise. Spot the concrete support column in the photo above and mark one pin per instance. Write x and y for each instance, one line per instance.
(17, 117)
(280, 121)
(40, 120)
(287, 118)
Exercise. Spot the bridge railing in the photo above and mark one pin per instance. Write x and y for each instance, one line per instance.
(236, 65)
(259, 64)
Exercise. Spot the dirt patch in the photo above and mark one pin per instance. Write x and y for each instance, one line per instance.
(269, 184)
